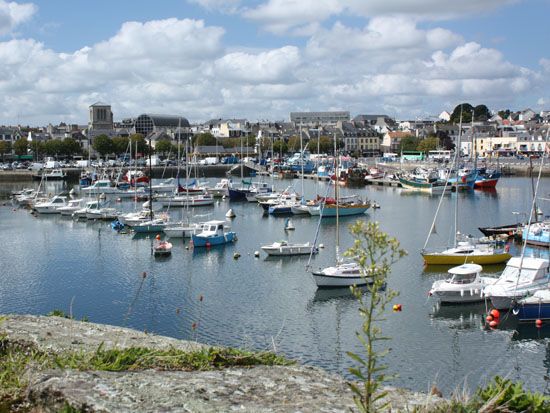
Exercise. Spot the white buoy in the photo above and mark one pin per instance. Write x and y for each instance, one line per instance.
(321, 245)
(146, 204)
(289, 226)
(256, 254)
(230, 214)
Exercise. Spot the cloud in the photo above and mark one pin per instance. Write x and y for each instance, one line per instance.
(13, 14)
(280, 16)
(227, 6)
(425, 9)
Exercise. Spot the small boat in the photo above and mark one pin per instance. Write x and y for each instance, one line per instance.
(133, 218)
(221, 188)
(464, 286)
(340, 275)
(161, 248)
(510, 229)
(195, 200)
(72, 206)
(182, 229)
(467, 252)
(213, 233)
(51, 206)
(285, 248)
(153, 225)
(537, 234)
(54, 174)
(105, 214)
(535, 307)
(520, 279)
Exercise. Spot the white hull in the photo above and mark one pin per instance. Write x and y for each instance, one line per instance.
(182, 231)
(278, 249)
(46, 209)
(328, 281)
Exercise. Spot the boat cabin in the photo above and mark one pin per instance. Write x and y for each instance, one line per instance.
(532, 269)
(212, 228)
(464, 274)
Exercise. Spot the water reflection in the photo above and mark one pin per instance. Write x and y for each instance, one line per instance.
(459, 317)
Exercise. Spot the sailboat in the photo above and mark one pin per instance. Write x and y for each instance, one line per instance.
(342, 274)
(463, 250)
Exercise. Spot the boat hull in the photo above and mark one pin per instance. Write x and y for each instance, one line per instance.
(334, 281)
(289, 250)
(343, 210)
(444, 259)
(200, 241)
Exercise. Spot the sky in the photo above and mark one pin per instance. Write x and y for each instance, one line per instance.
(262, 59)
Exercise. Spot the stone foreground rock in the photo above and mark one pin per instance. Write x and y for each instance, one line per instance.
(256, 389)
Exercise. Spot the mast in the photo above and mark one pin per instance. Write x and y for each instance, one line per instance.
(456, 166)
(336, 166)
(150, 180)
(302, 156)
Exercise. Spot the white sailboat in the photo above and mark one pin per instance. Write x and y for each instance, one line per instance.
(342, 274)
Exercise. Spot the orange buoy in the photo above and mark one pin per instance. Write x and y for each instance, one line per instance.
(399, 307)
(493, 324)
(157, 237)
(538, 323)
(207, 244)
(495, 313)
(489, 318)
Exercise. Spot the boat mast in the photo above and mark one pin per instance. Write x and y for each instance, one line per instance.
(302, 156)
(336, 166)
(150, 179)
(456, 166)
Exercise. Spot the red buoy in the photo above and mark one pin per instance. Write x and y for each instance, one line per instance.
(538, 323)
(493, 324)
(489, 318)
(495, 313)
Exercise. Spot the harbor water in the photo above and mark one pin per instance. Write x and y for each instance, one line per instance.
(90, 271)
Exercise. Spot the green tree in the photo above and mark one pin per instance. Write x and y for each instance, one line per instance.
(481, 113)
(163, 146)
(326, 144)
(428, 144)
(293, 144)
(142, 145)
(120, 145)
(204, 139)
(37, 148)
(375, 252)
(279, 147)
(103, 145)
(467, 110)
(5, 147)
(504, 114)
(70, 147)
(20, 146)
(408, 143)
(53, 147)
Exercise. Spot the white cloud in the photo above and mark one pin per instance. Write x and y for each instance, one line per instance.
(424, 9)
(280, 16)
(274, 66)
(228, 6)
(13, 14)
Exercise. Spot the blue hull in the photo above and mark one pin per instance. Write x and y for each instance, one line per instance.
(215, 240)
(238, 194)
(280, 210)
(541, 239)
(531, 312)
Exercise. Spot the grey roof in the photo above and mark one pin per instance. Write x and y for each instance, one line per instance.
(100, 104)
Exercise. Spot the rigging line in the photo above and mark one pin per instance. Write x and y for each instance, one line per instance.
(533, 205)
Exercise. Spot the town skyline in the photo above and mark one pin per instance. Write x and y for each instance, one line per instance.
(261, 60)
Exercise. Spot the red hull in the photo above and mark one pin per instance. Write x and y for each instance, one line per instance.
(486, 183)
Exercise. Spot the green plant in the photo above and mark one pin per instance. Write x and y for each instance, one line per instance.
(505, 395)
(375, 252)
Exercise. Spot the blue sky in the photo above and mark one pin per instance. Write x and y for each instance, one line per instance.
(265, 58)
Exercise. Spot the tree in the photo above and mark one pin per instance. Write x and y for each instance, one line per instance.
(408, 143)
(279, 146)
(481, 113)
(467, 110)
(37, 148)
(293, 144)
(53, 147)
(103, 145)
(326, 144)
(204, 139)
(5, 147)
(142, 145)
(70, 147)
(428, 144)
(163, 146)
(120, 145)
(504, 114)
(375, 252)
(20, 146)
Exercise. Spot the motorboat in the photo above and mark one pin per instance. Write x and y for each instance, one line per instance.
(213, 233)
(341, 275)
(221, 188)
(185, 200)
(465, 285)
(285, 248)
(183, 230)
(154, 225)
(53, 174)
(90, 205)
(105, 213)
(352, 206)
(537, 233)
(51, 206)
(72, 206)
(133, 218)
(520, 279)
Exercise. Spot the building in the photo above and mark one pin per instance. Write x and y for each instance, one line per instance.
(380, 123)
(101, 117)
(319, 118)
(391, 142)
(158, 127)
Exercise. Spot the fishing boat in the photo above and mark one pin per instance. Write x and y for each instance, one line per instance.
(353, 206)
(213, 233)
(521, 278)
(486, 179)
(285, 248)
(465, 285)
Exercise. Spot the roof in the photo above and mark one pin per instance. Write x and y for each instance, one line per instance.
(100, 104)
(466, 269)
(165, 120)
